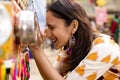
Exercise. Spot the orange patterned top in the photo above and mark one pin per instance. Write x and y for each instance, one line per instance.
(101, 63)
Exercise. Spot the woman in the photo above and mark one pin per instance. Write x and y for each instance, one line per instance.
(86, 54)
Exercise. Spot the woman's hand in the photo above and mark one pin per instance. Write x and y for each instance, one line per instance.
(41, 36)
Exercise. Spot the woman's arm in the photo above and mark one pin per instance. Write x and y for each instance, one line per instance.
(43, 64)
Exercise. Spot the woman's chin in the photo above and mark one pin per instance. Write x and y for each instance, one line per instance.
(57, 47)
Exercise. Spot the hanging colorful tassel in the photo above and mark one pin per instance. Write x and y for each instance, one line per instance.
(14, 71)
(22, 69)
(27, 66)
(2, 72)
(1, 62)
(19, 70)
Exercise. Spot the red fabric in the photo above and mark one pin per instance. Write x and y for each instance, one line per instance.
(113, 27)
(91, 1)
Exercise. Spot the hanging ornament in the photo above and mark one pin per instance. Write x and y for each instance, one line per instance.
(18, 70)
(13, 71)
(27, 66)
(2, 72)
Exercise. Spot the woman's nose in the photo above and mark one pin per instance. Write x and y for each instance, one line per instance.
(48, 33)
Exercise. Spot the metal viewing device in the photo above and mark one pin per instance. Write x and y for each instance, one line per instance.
(25, 31)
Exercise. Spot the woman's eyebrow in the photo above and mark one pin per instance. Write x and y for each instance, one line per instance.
(49, 25)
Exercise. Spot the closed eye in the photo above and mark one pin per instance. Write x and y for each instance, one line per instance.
(50, 27)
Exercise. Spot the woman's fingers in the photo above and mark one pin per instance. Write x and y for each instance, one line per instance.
(41, 37)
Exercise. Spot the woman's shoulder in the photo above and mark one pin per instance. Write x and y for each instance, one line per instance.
(103, 40)
(104, 46)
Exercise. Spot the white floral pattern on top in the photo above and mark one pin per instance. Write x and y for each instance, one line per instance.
(102, 61)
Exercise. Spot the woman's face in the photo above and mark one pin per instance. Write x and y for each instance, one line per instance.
(57, 31)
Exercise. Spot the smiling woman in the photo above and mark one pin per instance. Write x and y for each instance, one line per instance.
(56, 30)
(86, 53)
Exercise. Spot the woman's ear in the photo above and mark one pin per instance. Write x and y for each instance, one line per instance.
(74, 26)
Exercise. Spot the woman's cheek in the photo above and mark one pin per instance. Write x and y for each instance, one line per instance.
(47, 33)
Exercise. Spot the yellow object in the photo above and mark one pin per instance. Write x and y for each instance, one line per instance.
(101, 3)
(3, 72)
(6, 30)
